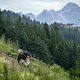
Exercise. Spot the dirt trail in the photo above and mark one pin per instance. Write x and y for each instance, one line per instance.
(10, 59)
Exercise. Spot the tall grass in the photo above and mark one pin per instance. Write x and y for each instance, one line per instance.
(8, 46)
(35, 71)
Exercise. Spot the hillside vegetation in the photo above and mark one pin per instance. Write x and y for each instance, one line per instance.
(11, 70)
(35, 71)
(51, 44)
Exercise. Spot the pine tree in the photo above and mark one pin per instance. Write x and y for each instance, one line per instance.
(46, 28)
(2, 27)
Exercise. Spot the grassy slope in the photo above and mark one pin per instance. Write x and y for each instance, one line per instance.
(11, 70)
(37, 70)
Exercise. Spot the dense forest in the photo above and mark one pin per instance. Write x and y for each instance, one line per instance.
(53, 44)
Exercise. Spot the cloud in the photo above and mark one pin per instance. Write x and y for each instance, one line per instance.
(33, 6)
(27, 6)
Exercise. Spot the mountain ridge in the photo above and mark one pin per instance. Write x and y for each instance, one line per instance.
(68, 14)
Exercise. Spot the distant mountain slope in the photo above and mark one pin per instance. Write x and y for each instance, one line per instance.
(49, 17)
(32, 16)
(70, 13)
(45, 16)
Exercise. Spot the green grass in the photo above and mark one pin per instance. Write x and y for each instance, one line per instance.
(8, 47)
(35, 71)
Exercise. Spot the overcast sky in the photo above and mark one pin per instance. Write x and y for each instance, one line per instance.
(34, 6)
